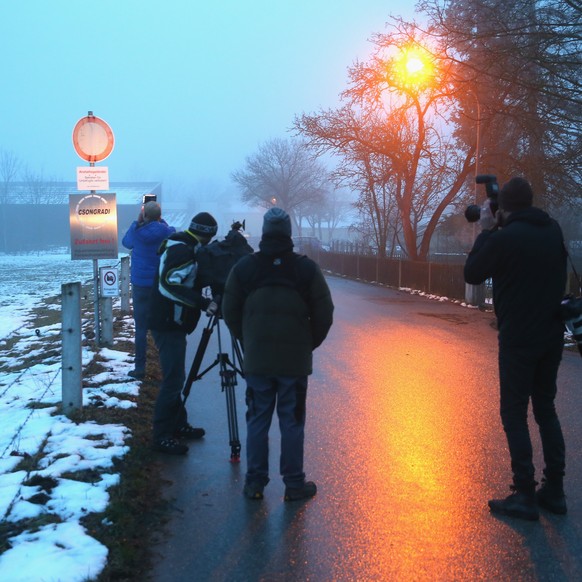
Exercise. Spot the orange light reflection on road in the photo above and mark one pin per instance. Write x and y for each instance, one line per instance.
(409, 416)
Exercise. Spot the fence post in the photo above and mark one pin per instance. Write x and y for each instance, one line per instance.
(72, 386)
(106, 308)
(429, 277)
(475, 294)
(125, 309)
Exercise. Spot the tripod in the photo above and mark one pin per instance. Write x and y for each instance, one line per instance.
(228, 372)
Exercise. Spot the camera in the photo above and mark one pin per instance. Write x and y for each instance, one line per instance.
(473, 212)
(571, 314)
(237, 225)
(149, 198)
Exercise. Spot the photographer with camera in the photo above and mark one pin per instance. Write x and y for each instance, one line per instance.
(522, 250)
(177, 301)
(143, 238)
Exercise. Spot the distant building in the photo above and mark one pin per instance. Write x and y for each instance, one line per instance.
(35, 216)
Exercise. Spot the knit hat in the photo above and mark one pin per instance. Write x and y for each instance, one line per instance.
(515, 195)
(276, 222)
(203, 225)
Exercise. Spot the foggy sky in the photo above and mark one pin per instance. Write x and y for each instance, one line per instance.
(189, 88)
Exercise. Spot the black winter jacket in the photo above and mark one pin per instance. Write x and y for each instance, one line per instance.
(279, 305)
(526, 259)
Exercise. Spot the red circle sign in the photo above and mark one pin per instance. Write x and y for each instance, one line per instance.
(92, 139)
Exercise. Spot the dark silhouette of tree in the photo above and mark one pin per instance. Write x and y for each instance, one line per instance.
(392, 145)
(9, 168)
(522, 61)
(282, 173)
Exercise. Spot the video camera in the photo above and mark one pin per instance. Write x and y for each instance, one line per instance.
(237, 225)
(473, 211)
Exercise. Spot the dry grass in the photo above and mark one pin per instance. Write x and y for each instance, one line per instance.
(136, 510)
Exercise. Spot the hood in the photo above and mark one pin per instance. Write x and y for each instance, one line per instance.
(532, 215)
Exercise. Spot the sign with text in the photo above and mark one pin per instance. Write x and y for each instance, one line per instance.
(92, 178)
(93, 221)
(109, 280)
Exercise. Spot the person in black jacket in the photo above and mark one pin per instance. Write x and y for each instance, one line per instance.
(278, 304)
(176, 304)
(525, 256)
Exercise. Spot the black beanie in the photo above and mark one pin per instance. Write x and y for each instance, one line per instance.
(515, 195)
(276, 222)
(203, 225)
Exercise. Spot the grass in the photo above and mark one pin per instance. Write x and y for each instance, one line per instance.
(136, 509)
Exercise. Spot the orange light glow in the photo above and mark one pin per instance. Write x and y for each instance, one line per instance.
(414, 67)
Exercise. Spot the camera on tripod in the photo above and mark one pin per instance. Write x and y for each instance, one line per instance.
(238, 225)
(473, 211)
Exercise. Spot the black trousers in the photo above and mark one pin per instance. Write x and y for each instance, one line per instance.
(529, 373)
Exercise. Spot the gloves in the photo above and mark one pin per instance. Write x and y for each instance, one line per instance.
(212, 308)
(487, 220)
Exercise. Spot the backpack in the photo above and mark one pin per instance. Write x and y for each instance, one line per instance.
(289, 270)
(216, 259)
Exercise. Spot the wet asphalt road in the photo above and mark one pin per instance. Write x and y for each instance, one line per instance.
(404, 441)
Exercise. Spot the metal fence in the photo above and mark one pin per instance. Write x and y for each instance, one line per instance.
(444, 279)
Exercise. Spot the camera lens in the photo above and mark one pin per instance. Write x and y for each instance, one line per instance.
(473, 213)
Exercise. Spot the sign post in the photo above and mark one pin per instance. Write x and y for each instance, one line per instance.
(94, 218)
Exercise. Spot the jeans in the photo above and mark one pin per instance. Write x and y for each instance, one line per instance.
(526, 373)
(288, 394)
(141, 308)
(169, 411)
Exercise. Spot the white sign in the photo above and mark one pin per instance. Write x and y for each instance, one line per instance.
(109, 279)
(92, 178)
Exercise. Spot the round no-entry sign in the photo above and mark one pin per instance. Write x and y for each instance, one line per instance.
(92, 138)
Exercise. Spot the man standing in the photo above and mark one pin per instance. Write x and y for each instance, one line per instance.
(524, 254)
(143, 238)
(176, 304)
(278, 304)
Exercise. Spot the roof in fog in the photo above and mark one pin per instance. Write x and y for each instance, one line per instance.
(58, 192)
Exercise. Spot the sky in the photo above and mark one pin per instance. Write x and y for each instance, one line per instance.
(189, 89)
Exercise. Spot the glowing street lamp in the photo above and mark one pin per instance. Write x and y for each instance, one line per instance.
(413, 67)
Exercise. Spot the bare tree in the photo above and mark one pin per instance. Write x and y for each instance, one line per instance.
(521, 62)
(38, 190)
(282, 173)
(393, 143)
(9, 168)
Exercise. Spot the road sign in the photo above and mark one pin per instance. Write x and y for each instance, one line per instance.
(92, 178)
(92, 138)
(93, 222)
(109, 281)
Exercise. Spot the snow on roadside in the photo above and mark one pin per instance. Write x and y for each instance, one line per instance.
(43, 494)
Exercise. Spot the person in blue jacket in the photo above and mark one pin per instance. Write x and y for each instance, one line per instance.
(143, 238)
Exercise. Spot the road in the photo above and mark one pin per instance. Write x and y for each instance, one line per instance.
(404, 441)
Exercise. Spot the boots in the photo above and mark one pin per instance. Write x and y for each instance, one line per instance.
(551, 495)
(520, 503)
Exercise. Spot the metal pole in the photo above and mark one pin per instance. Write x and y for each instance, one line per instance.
(96, 301)
(71, 379)
(125, 308)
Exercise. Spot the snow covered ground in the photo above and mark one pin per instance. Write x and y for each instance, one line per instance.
(44, 455)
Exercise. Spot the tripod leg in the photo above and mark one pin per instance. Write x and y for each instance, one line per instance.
(228, 384)
(197, 361)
